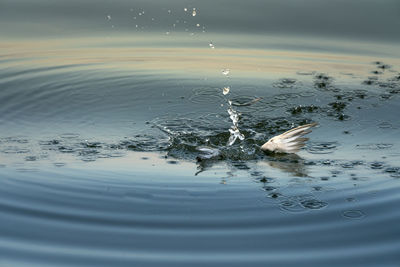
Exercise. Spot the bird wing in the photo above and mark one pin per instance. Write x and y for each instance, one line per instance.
(290, 141)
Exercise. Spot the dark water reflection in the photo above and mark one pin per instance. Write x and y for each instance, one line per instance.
(116, 155)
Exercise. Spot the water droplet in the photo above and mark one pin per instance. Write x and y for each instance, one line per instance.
(225, 72)
(226, 90)
(211, 45)
(169, 11)
(185, 9)
(108, 17)
(194, 13)
(198, 25)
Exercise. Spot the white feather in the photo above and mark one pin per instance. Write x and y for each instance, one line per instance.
(289, 142)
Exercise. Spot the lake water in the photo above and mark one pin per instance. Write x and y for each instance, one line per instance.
(114, 127)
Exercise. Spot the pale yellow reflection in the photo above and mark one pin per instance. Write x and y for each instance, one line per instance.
(132, 54)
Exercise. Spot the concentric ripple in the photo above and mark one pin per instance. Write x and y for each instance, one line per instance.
(118, 155)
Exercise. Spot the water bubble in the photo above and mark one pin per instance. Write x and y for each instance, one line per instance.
(225, 71)
(226, 90)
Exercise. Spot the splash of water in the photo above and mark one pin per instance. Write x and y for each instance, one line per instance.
(233, 115)
(234, 130)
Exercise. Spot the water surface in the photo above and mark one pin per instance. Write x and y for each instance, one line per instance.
(103, 134)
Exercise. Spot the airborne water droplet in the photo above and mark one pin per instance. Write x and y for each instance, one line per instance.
(211, 45)
(225, 72)
(194, 13)
(185, 9)
(226, 89)
(108, 17)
